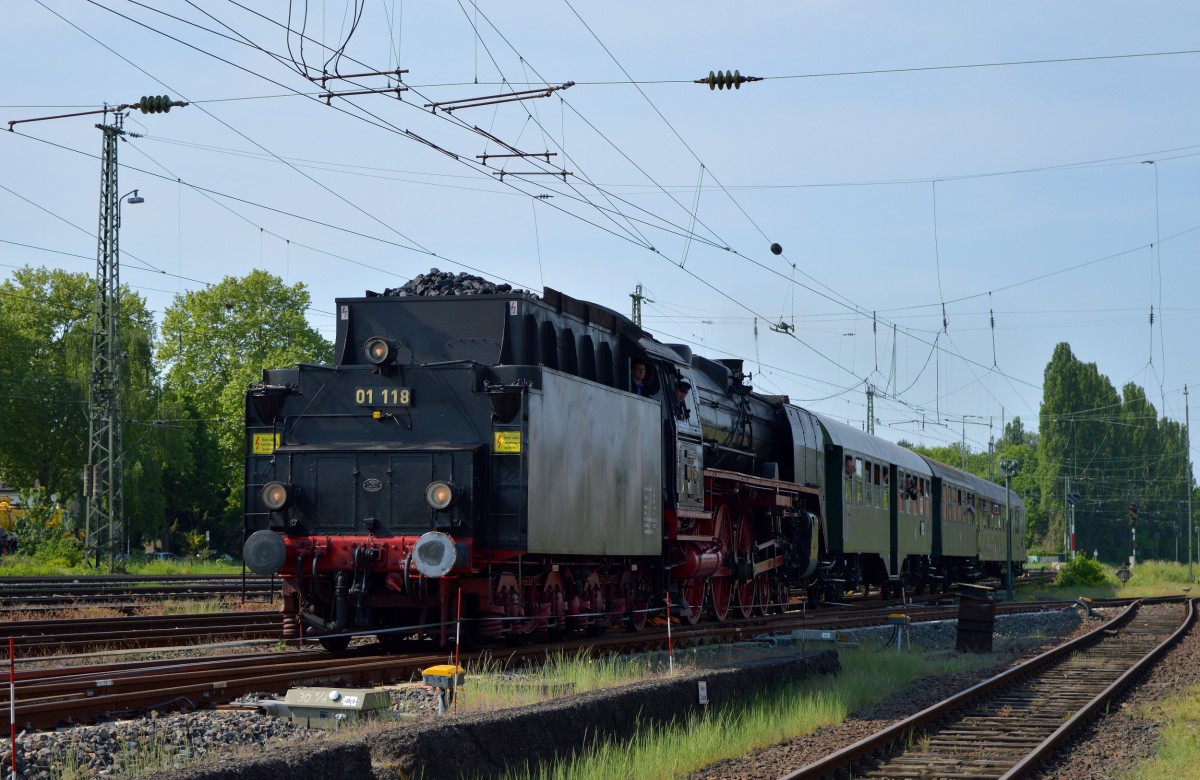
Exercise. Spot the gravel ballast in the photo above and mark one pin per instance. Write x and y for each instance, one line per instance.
(216, 736)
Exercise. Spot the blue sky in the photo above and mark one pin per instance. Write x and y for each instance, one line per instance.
(897, 182)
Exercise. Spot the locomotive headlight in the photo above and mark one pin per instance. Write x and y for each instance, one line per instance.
(441, 495)
(379, 351)
(277, 495)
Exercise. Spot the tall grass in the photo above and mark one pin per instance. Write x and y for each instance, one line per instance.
(1147, 578)
(1179, 754)
(867, 677)
(26, 566)
(491, 687)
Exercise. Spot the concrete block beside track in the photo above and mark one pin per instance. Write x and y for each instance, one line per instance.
(483, 745)
(296, 761)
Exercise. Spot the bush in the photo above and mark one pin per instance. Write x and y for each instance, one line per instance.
(1081, 571)
(43, 533)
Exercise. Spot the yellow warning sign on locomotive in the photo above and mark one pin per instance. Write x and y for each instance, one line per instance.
(264, 443)
(506, 441)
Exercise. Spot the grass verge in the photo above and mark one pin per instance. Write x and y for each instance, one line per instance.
(1179, 754)
(867, 677)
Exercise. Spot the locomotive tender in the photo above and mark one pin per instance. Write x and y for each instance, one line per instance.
(482, 456)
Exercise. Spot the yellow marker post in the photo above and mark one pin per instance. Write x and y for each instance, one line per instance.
(446, 678)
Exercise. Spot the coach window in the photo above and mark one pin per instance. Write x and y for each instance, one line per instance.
(848, 479)
(868, 488)
(878, 486)
(887, 488)
(858, 481)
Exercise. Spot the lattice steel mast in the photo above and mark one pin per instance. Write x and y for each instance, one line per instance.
(104, 480)
(103, 476)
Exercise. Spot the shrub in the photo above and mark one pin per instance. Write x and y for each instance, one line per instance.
(44, 533)
(1081, 571)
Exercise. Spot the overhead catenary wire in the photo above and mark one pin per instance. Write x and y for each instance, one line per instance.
(994, 351)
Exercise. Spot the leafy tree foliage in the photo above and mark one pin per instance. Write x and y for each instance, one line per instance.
(216, 341)
(1114, 452)
(46, 329)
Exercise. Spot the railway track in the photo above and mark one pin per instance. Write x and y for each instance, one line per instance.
(1003, 727)
(33, 594)
(42, 637)
(80, 693)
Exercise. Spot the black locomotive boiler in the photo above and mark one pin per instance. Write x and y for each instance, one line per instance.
(484, 456)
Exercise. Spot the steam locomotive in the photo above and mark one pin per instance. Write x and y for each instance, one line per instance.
(480, 461)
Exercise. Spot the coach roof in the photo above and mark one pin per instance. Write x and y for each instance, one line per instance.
(862, 443)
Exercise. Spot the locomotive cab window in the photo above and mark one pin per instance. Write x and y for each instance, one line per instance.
(643, 378)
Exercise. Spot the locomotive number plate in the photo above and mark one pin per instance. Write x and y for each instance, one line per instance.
(382, 396)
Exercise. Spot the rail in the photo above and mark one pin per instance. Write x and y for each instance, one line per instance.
(1004, 726)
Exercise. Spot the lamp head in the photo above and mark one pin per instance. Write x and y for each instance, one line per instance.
(135, 198)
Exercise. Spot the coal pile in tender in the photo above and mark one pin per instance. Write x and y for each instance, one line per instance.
(448, 283)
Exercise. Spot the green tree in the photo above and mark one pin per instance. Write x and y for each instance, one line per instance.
(45, 329)
(1079, 440)
(215, 342)
(46, 333)
(1113, 451)
(46, 325)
